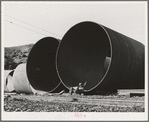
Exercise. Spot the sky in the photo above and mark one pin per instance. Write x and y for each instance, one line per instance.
(28, 22)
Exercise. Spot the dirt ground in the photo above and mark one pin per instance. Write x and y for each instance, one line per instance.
(71, 103)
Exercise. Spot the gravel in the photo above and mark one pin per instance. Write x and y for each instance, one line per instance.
(25, 105)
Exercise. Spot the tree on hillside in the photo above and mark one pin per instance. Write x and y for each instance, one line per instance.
(16, 55)
(14, 59)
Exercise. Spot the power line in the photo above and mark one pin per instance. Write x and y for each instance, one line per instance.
(25, 27)
(32, 25)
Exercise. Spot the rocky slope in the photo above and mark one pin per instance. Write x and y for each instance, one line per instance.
(16, 55)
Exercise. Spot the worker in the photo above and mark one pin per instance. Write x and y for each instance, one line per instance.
(77, 89)
(80, 89)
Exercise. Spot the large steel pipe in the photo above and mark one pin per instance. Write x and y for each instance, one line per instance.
(20, 80)
(41, 66)
(104, 58)
(8, 82)
(39, 74)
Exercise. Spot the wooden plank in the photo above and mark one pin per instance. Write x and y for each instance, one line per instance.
(131, 91)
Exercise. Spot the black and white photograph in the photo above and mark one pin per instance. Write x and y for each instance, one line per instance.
(74, 60)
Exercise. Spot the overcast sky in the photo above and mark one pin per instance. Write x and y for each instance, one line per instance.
(27, 22)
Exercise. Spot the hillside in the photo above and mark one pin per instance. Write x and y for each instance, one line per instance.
(16, 55)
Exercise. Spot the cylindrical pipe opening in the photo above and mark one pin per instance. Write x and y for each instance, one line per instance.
(41, 65)
(9, 81)
(83, 55)
(6, 72)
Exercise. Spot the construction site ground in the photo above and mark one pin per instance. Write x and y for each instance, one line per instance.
(54, 102)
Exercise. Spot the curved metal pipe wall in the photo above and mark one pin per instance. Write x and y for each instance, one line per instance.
(82, 56)
(8, 82)
(107, 63)
(20, 80)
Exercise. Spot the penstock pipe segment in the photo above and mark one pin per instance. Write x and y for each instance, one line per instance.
(39, 74)
(104, 58)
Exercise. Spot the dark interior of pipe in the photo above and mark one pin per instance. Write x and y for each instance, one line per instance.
(82, 54)
(41, 67)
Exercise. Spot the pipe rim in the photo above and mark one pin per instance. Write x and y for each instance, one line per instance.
(58, 40)
(109, 39)
(57, 67)
(9, 82)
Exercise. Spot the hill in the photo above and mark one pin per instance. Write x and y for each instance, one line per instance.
(16, 55)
